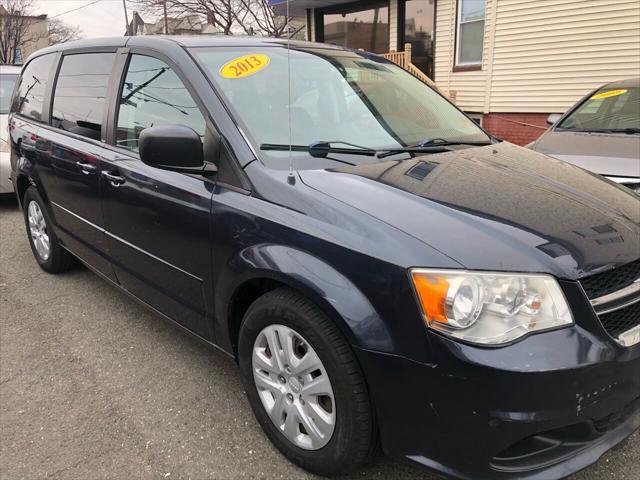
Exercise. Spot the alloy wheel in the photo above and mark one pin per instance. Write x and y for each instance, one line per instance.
(38, 230)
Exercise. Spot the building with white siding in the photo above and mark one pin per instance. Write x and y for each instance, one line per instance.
(508, 63)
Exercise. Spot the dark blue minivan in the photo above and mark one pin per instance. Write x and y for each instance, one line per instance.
(382, 269)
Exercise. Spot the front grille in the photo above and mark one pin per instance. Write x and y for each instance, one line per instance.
(619, 321)
(602, 284)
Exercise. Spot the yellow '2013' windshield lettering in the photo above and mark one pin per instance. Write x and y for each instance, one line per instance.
(610, 93)
(244, 66)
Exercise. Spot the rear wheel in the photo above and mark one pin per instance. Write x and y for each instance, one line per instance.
(44, 244)
(305, 385)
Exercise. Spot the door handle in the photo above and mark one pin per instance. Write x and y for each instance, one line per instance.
(85, 167)
(115, 180)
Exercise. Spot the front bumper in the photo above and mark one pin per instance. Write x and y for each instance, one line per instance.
(542, 408)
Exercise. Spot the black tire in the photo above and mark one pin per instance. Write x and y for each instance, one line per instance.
(355, 434)
(59, 259)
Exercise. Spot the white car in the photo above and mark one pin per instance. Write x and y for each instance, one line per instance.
(8, 76)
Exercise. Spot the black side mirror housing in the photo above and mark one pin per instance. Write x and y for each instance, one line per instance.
(173, 147)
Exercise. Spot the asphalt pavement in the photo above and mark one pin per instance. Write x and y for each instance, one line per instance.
(93, 385)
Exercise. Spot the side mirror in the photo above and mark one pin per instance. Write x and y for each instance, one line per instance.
(553, 118)
(173, 147)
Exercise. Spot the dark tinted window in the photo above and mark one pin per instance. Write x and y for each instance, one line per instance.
(29, 97)
(81, 88)
(153, 95)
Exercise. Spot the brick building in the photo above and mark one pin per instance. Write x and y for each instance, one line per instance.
(508, 63)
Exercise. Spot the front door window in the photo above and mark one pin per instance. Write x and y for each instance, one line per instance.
(366, 29)
(419, 28)
(153, 95)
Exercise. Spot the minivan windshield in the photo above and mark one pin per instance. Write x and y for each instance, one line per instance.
(7, 81)
(336, 96)
(609, 110)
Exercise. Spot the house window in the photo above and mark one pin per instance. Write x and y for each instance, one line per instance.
(476, 117)
(470, 32)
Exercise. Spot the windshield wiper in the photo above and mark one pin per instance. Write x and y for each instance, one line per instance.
(627, 131)
(321, 149)
(432, 145)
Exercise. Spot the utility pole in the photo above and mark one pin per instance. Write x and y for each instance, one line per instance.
(166, 22)
(126, 18)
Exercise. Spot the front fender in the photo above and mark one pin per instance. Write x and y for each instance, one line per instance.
(334, 293)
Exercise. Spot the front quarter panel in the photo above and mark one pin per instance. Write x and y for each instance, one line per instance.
(330, 289)
(349, 263)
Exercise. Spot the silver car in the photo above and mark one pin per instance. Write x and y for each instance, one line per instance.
(600, 133)
(8, 76)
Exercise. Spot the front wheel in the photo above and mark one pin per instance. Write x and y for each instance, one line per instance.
(305, 385)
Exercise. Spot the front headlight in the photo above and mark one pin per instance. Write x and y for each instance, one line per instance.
(489, 308)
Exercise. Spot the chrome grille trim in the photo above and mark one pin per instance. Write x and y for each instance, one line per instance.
(630, 337)
(604, 309)
(619, 299)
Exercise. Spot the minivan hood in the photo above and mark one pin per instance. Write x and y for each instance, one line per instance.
(607, 154)
(499, 207)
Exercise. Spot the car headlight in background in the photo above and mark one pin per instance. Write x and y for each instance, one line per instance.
(489, 308)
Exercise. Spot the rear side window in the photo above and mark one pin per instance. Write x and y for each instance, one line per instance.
(80, 93)
(153, 95)
(29, 96)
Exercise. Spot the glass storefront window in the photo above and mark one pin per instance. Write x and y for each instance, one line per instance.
(419, 32)
(365, 29)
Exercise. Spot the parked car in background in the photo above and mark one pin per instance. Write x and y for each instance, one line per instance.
(8, 76)
(600, 133)
(379, 266)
